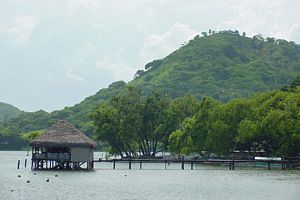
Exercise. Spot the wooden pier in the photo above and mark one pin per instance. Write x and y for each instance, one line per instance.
(232, 164)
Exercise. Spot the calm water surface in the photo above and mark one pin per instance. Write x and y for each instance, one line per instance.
(151, 183)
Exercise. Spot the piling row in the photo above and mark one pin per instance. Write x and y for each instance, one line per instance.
(19, 163)
(230, 163)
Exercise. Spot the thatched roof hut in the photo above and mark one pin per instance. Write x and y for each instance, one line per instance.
(63, 134)
(63, 147)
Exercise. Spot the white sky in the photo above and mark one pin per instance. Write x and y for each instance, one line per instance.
(55, 53)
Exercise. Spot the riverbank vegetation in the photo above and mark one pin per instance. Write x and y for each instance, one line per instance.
(133, 125)
(268, 122)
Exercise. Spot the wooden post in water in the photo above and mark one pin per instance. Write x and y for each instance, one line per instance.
(192, 163)
(141, 164)
(282, 165)
(18, 166)
(269, 166)
(114, 164)
(129, 164)
(25, 163)
(165, 164)
(232, 164)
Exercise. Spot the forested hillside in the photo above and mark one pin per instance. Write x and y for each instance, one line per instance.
(8, 111)
(224, 66)
(12, 133)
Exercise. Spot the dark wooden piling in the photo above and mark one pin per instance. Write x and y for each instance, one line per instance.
(269, 166)
(192, 165)
(129, 164)
(114, 164)
(166, 164)
(182, 165)
(282, 165)
(230, 167)
(141, 164)
(18, 165)
(233, 165)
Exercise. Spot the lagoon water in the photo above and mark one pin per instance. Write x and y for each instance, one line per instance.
(151, 183)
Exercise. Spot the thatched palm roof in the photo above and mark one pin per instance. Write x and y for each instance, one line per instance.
(63, 134)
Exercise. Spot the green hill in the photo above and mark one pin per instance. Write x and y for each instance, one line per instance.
(223, 65)
(8, 111)
(12, 132)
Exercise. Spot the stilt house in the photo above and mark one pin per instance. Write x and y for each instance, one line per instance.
(62, 146)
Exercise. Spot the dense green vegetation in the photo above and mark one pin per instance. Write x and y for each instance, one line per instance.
(224, 66)
(268, 122)
(133, 126)
(8, 111)
(220, 65)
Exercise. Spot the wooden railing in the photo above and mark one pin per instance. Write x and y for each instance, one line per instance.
(51, 156)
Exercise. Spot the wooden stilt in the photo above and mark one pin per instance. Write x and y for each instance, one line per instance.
(269, 166)
(129, 164)
(25, 163)
(114, 164)
(141, 165)
(165, 164)
(18, 165)
(282, 165)
(192, 167)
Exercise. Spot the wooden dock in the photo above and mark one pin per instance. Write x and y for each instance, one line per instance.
(185, 163)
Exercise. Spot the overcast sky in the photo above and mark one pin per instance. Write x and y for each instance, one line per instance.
(54, 53)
